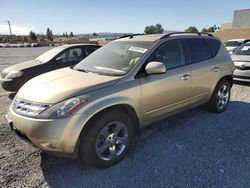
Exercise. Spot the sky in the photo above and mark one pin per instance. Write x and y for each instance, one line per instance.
(81, 16)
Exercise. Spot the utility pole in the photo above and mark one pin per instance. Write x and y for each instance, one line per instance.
(9, 29)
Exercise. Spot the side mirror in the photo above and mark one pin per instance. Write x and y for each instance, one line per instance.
(155, 67)
(59, 59)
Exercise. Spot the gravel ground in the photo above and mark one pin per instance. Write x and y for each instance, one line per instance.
(193, 149)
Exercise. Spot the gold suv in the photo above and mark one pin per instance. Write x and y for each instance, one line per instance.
(96, 107)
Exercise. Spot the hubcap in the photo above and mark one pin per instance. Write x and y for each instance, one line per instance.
(222, 97)
(111, 141)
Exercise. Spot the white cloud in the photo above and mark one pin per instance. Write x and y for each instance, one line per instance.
(16, 30)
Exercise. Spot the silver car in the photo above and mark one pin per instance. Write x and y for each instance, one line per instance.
(241, 59)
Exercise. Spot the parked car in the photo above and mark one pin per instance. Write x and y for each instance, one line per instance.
(35, 44)
(241, 59)
(96, 107)
(27, 44)
(13, 77)
(19, 45)
(232, 45)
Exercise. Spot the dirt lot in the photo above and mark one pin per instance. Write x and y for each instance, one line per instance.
(194, 149)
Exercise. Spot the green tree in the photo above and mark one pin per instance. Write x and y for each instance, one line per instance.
(159, 28)
(66, 34)
(49, 34)
(204, 30)
(71, 34)
(25, 39)
(192, 29)
(151, 29)
(32, 36)
(95, 34)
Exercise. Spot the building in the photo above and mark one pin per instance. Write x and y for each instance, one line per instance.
(238, 28)
(241, 19)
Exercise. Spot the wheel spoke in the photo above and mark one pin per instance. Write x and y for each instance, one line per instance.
(122, 140)
(112, 153)
(118, 128)
(105, 132)
(100, 150)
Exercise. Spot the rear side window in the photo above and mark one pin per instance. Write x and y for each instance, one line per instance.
(214, 45)
(197, 50)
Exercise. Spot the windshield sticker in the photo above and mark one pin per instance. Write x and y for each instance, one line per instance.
(245, 48)
(138, 49)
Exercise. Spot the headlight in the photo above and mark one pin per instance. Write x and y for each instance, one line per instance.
(62, 109)
(13, 74)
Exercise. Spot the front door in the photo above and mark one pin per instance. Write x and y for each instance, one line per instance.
(168, 92)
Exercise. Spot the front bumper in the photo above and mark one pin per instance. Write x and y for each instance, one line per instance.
(241, 75)
(52, 135)
(7, 84)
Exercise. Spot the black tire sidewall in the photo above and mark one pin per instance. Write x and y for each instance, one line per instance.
(89, 136)
(213, 103)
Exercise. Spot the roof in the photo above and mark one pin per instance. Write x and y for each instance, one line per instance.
(239, 40)
(155, 37)
(80, 44)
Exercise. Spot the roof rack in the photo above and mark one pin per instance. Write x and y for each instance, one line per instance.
(180, 33)
(131, 36)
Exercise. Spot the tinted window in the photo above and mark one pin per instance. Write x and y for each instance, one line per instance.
(72, 55)
(170, 54)
(90, 49)
(214, 45)
(197, 49)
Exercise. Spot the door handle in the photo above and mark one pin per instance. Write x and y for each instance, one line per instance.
(216, 69)
(185, 77)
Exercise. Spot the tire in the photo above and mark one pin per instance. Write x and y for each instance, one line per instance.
(106, 139)
(220, 98)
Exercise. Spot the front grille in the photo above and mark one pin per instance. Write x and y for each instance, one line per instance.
(28, 108)
(242, 77)
(242, 68)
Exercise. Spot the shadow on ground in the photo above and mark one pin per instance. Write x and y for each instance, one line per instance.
(195, 148)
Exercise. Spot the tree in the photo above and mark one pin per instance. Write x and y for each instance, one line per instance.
(32, 36)
(211, 29)
(66, 34)
(71, 34)
(49, 34)
(151, 29)
(192, 29)
(95, 34)
(159, 28)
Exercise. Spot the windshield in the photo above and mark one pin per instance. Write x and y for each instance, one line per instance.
(49, 54)
(115, 59)
(243, 50)
(232, 44)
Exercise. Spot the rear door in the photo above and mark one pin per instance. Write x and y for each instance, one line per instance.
(168, 92)
(203, 67)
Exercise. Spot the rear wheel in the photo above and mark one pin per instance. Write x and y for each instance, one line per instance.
(106, 139)
(220, 98)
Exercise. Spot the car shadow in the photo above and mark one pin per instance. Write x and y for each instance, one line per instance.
(195, 148)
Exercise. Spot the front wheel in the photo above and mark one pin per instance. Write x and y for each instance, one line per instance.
(106, 139)
(220, 98)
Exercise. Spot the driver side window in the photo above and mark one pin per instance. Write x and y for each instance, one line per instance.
(71, 55)
(170, 53)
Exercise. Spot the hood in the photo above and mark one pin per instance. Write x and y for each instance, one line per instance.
(231, 48)
(61, 84)
(244, 58)
(22, 66)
